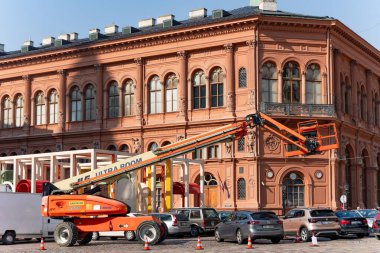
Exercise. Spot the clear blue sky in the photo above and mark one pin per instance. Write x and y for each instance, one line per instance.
(24, 19)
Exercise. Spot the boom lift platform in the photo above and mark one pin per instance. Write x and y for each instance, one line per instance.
(84, 214)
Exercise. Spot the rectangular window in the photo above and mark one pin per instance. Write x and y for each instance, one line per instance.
(213, 151)
(53, 113)
(198, 154)
(19, 117)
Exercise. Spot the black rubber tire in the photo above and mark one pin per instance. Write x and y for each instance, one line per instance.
(275, 240)
(66, 234)
(194, 231)
(8, 238)
(150, 229)
(305, 237)
(164, 232)
(377, 237)
(239, 237)
(130, 235)
(334, 238)
(86, 239)
(217, 236)
(113, 238)
(95, 236)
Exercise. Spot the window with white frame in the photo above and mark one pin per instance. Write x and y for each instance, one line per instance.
(155, 97)
(76, 105)
(269, 83)
(89, 102)
(129, 98)
(40, 109)
(171, 84)
(113, 100)
(217, 80)
(199, 90)
(53, 107)
(213, 151)
(7, 112)
(19, 111)
(313, 85)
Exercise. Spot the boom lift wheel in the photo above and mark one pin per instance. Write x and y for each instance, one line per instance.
(66, 234)
(149, 230)
(87, 237)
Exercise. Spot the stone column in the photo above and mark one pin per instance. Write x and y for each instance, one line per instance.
(337, 82)
(279, 86)
(359, 184)
(99, 94)
(62, 100)
(325, 89)
(139, 89)
(230, 79)
(27, 101)
(182, 98)
(354, 94)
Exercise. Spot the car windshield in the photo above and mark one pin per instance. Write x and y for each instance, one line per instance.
(321, 213)
(181, 217)
(367, 213)
(264, 216)
(209, 213)
(347, 214)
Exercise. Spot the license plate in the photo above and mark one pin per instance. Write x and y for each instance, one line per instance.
(326, 222)
(356, 222)
(268, 226)
(183, 223)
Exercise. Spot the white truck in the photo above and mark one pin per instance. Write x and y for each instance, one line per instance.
(20, 217)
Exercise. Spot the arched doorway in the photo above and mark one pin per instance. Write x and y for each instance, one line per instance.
(210, 191)
(293, 194)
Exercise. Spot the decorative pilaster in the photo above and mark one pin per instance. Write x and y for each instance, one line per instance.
(27, 99)
(182, 101)
(230, 78)
(370, 112)
(354, 96)
(337, 82)
(139, 89)
(303, 87)
(62, 100)
(99, 94)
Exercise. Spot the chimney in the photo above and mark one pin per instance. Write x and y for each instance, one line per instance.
(48, 41)
(268, 5)
(65, 36)
(198, 13)
(2, 48)
(129, 30)
(161, 19)
(147, 22)
(254, 2)
(28, 43)
(111, 29)
(27, 46)
(73, 36)
(94, 34)
(219, 14)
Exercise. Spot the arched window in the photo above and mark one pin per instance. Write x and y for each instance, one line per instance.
(217, 81)
(313, 85)
(171, 84)
(152, 146)
(291, 83)
(241, 188)
(7, 112)
(124, 148)
(76, 104)
(269, 83)
(112, 148)
(129, 98)
(347, 96)
(363, 103)
(155, 95)
(294, 190)
(19, 111)
(89, 105)
(166, 143)
(199, 90)
(40, 109)
(242, 78)
(113, 100)
(53, 107)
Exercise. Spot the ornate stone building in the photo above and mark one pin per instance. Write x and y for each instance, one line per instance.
(167, 80)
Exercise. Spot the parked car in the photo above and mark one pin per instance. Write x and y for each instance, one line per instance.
(114, 235)
(201, 219)
(369, 214)
(376, 226)
(351, 223)
(177, 224)
(238, 226)
(306, 221)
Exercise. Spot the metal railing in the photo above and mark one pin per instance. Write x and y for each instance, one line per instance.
(309, 110)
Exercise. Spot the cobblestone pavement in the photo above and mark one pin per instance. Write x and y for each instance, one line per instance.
(367, 244)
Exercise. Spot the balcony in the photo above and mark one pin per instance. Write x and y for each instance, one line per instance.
(313, 110)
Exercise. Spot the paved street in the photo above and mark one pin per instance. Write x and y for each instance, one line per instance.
(188, 245)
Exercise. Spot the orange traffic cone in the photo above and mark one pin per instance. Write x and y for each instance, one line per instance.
(298, 238)
(146, 245)
(314, 241)
(249, 245)
(42, 244)
(199, 244)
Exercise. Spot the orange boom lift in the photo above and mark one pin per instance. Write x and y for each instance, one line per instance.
(84, 214)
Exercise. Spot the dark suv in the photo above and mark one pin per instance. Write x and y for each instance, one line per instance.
(201, 219)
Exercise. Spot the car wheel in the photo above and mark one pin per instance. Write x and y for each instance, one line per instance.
(8, 238)
(275, 240)
(305, 237)
(95, 236)
(194, 231)
(217, 236)
(239, 237)
(360, 236)
(378, 237)
(130, 235)
(334, 237)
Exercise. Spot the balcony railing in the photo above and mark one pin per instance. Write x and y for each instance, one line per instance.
(280, 109)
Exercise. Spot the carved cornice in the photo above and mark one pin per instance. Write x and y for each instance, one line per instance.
(130, 44)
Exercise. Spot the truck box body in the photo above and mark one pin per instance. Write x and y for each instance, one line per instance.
(20, 213)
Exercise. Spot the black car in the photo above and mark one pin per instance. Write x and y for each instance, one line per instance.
(352, 223)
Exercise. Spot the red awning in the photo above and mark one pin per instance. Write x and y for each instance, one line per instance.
(179, 188)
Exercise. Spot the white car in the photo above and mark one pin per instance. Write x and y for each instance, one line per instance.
(113, 235)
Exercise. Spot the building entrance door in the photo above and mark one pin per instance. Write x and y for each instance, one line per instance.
(210, 191)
